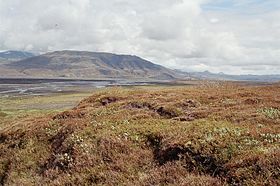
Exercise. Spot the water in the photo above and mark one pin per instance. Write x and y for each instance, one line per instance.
(21, 87)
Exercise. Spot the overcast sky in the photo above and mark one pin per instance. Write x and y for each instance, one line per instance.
(231, 36)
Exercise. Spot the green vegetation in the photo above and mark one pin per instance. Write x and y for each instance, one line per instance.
(271, 113)
(15, 109)
(143, 136)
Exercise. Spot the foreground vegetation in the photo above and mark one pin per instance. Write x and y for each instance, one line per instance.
(205, 135)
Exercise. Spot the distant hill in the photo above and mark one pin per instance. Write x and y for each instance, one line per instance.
(221, 76)
(13, 55)
(80, 64)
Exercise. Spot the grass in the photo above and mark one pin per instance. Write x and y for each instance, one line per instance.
(205, 135)
(14, 109)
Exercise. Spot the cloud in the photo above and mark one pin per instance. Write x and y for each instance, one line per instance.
(182, 34)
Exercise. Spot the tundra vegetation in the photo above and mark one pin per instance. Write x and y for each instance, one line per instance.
(212, 134)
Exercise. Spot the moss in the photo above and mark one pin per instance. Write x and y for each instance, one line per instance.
(3, 114)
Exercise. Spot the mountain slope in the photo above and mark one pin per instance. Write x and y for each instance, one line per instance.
(79, 64)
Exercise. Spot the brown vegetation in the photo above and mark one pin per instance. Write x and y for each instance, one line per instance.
(207, 135)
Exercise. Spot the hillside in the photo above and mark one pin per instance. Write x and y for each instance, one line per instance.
(213, 134)
(78, 64)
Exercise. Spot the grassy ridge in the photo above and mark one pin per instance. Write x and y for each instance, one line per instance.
(209, 135)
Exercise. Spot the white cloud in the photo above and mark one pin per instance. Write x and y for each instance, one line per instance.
(176, 33)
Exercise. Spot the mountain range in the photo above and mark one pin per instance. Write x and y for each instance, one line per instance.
(100, 65)
(89, 65)
(206, 75)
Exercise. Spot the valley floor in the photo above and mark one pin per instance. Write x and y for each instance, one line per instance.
(210, 134)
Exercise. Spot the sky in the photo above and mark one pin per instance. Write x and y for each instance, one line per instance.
(230, 36)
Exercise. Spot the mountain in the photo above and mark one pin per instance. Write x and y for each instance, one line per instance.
(13, 55)
(98, 65)
(82, 64)
(221, 76)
